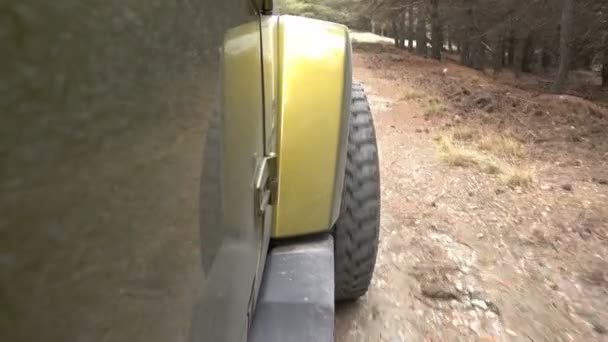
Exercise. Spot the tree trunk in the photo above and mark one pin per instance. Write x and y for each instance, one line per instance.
(518, 56)
(584, 61)
(503, 51)
(410, 27)
(449, 39)
(527, 53)
(401, 27)
(478, 54)
(564, 46)
(605, 70)
(436, 36)
(421, 31)
(467, 51)
(373, 26)
(605, 63)
(511, 42)
(545, 60)
(396, 33)
(498, 53)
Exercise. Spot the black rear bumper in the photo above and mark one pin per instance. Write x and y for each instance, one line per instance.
(296, 301)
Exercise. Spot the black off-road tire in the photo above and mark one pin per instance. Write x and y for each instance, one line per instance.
(356, 231)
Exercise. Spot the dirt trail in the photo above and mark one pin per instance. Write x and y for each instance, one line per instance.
(464, 255)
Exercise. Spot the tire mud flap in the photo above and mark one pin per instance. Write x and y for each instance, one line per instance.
(296, 301)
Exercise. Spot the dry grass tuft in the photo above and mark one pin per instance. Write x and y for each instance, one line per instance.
(464, 133)
(461, 156)
(433, 108)
(412, 94)
(455, 155)
(492, 166)
(518, 176)
(502, 146)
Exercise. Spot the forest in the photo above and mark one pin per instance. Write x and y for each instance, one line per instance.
(527, 36)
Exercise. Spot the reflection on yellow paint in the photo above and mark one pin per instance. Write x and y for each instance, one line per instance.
(314, 42)
(241, 40)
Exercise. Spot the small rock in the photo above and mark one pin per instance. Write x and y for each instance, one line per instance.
(475, 326)
(418, 130)
(567, 187)
(471, 193)
(476, 294)
(493, 308)
(600, 329)
(491, 315)
(426, 130)
(458, 285)
(480, 304)
(483, 101)
(436, 291)
(546, 187)
(375, 312)
(511, 332)
(480, 236)
(601, 181)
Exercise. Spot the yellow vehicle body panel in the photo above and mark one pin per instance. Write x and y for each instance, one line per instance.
(312, 102)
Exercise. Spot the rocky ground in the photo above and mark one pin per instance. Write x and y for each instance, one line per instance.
(494, 208)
